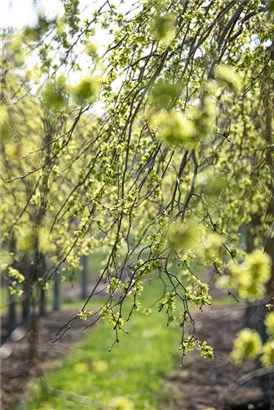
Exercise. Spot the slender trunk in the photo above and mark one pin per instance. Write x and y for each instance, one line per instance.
(254, 314)
(269, 249)
(84, 278)
(42, 304)
(56, 292)
(33, 338)
(12, 321)
(35, 272)
(26, 290)
(43, 295)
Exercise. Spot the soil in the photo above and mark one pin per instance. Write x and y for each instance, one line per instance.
(21, 366)
(207, 385)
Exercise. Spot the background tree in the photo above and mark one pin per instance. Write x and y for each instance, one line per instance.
(178, 163)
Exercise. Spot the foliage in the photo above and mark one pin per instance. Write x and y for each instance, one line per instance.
(251, 276)
(248, 344)
(178, 163)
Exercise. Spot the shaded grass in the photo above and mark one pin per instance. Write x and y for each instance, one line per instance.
(3, 299)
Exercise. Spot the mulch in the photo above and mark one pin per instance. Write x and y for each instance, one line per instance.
(217, 384)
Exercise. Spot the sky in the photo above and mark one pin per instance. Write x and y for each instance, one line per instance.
(21, 13)
(17, 14)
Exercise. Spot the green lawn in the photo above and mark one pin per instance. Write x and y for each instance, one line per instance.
(128, 378)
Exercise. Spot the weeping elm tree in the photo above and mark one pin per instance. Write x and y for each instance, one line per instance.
(158, 152)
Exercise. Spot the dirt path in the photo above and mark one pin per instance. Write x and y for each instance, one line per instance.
(216, 384)
(17, 370)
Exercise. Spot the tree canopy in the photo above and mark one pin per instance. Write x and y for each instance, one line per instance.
(156, 149)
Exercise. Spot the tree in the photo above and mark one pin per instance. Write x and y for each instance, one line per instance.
(179, 161)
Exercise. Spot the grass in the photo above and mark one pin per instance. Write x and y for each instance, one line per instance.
(3, 299)
(128, 377)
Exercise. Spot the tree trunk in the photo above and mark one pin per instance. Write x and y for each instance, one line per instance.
(43, 295)
(269, 249)
(26, 288)
(254, 314)
(56, 292)
(84, 278)
(12, 322)
(42, 304)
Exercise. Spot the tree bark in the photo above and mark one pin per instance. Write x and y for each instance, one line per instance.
(43, 294)
(12, 320)
(56, 292)
(84, 278)
(27, 291)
